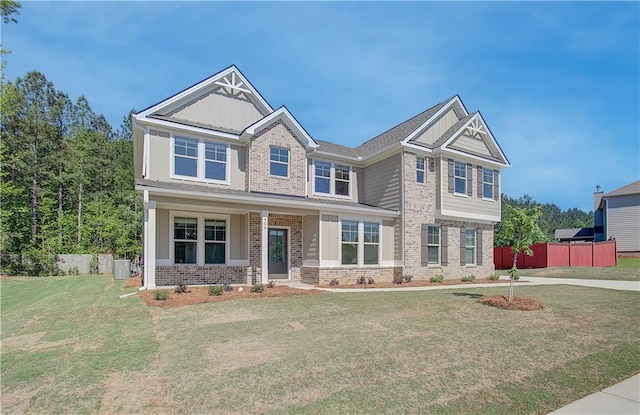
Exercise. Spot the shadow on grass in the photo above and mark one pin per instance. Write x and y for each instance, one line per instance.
(474, 296)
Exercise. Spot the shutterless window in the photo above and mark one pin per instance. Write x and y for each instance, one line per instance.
(470, 246)
(371, 240)
(279, 162)
(323, 177)
(215, 237)
(342, 180)
(185, 239)
(215, 161)
(460, 177)
(487, 183)
(420, 172)
(433, 244)
(185, 157)
(349, 243)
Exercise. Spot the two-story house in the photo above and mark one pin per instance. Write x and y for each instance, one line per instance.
(237, 192)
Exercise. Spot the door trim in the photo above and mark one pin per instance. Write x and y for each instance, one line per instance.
(288, 229)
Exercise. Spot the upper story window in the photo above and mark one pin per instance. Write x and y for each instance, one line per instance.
(487, 183)
(460, 178)
(278, 162)
(331, 179)
(199, 159)
(420, 170)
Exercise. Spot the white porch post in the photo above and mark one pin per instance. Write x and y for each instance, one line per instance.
(264, 245)
(149, 245)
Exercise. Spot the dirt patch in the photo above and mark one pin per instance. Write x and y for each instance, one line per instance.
(420, 283)
(200, 295)
(133, 282)
(518, 303)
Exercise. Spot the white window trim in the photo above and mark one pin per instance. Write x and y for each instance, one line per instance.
(200, 217)
(434, 264)
(484, 197)
(360, 243)
(423, 170)
(332, 180)
(474, 246)
(466, 179)
(200, 168)
(288, 163)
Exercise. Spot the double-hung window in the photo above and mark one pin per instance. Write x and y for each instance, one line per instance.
(433, 244)
(185, 240)
(215, 237)
(470, 246)
(349, 243)
(487, 183)
(322, 177)
(199, 159)
(420, 170)
(278, 162)
(331, 179)
(371, 242)
(460, 178)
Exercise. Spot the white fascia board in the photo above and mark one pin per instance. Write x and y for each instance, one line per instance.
(435, 116)
(383, 154)
(283, 114)
(326, 154)
(417, 148)
(485, 161)
(466, 216)
(202, 85)
(301, 204)
(189, 129)
(453, 137)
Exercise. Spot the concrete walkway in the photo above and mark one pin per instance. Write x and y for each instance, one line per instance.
(622, 398)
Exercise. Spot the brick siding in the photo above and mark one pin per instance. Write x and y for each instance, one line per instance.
(200, 275)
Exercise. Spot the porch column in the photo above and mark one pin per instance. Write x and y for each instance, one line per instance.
(264, 247)
(150, 245)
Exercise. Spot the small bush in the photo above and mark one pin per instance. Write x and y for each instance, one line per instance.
(228, 287)
(437, 278)
(370, 281)
(407, 278)
(73, 271)
(271, 284)
(257, 288)
(161, 295)
(361, 281)
(494, 277)
(182, 288)
(216, 290)
(468, 278)
(334, 282)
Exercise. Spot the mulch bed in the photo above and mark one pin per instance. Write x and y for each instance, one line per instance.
(518, 303)
(415, 283)
(198, 295)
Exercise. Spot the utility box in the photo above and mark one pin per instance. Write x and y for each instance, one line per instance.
(121, 269)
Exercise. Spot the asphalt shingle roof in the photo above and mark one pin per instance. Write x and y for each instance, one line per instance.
(630, 189)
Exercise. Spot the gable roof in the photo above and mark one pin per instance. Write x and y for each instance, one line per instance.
(196, 88)
(630, 189)
(285, 116)
(574, 234)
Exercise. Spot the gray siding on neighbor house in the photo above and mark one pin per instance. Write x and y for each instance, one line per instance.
(623, 222)
(218, 109)
(382, 183)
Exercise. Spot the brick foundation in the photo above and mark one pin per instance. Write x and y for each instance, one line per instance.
(196, 275)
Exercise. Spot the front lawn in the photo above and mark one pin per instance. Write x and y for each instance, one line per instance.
(70, 345)
(628, 269)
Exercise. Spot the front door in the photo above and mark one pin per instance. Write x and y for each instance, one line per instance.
(278, 254)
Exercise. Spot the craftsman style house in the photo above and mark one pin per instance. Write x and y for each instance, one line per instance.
(235, 191)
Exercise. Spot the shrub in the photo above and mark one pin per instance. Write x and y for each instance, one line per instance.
(334, 282)
(216, 290)
(228, 287)
(271, 284)
(370, 281)
(468, 278)
(361, 281)
(38, 263)
(161, 295)
(437, 278)
(73, 271)
(407, 278)
(93, 265)
(494, 276)
(257, 287)
(182, 288)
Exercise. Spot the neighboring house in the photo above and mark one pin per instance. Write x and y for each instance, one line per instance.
(617, 216)
(235, 191)
(574, 235)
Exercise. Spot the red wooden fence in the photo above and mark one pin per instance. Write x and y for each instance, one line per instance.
(594, 254)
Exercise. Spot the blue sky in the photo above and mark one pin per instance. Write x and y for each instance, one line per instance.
(557, 83)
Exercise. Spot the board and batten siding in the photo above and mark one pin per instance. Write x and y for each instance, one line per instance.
(623, 222)
(160, 161)
(435, 131)
(310, 234)
(471, 145)
(330, 237)
(218, 109)
(162, 234)
(239, 237)
(387, 238)
(382, 183)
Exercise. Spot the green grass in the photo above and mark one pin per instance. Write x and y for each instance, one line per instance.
(403, 352)
(628, 269)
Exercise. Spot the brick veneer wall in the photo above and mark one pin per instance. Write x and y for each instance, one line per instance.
(200, 275)
(277, 135)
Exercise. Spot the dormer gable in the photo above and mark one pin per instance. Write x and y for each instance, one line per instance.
(283, 115)
(471, 136)
(224, 102)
